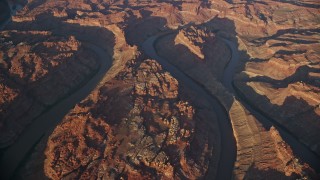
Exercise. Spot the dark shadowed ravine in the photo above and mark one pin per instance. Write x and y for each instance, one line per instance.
(228, 144)
(16, 153)
(14, 156)
(11, 10)
(299, 149)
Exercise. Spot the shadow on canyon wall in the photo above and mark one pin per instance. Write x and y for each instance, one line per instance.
(301, 75)
(136, 32)
(300, 3)
(217, 54)
(98, 36)
(291, 31)
(4, 11)
(255, 173)
(188, 60)
(46, 22)
(295, 114)
(291, 104)
(139, 29)
(301, 117)
(198, 74)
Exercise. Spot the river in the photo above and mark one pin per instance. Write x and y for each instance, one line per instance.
(16, 153)
(299, 149)
(228, 144)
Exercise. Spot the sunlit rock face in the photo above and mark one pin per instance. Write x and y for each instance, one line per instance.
(135, 126)
(37, 69)
(194, 39)
(141, 122)
(283, 67)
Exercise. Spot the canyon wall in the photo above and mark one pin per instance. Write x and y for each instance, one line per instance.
(140, 121)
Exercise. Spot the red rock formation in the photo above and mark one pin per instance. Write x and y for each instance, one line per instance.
(135, 126)
(37, 69)
(138, 121)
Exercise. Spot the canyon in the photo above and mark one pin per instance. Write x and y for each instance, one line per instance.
(159, 89)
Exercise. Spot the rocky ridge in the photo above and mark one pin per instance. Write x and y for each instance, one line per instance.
(160, 132)
(36, 72)
(251, 136)
(280, 64)
(279, 50)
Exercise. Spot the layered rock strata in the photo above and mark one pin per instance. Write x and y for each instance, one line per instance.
(37, 70)
(279, 72)
(140, 124)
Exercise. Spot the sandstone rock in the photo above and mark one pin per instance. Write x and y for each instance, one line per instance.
(124, 133)
(37, 70)
(138, 122)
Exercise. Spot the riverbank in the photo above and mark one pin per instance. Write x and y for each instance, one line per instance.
(15, 154)
(250, 134)
(299, 148)
(227, 153)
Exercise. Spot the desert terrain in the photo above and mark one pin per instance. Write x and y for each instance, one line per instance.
(126, 89)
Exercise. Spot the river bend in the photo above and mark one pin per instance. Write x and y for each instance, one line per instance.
(16, 153)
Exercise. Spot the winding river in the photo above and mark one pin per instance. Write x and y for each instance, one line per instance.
(15, 154)
(299, 149)
(228, 144)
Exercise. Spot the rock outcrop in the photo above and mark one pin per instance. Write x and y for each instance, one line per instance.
(280, 64)
(194, 39)
(140, 122)
(262, 154)
(37, 70)
(194, 48)
(258, 153)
